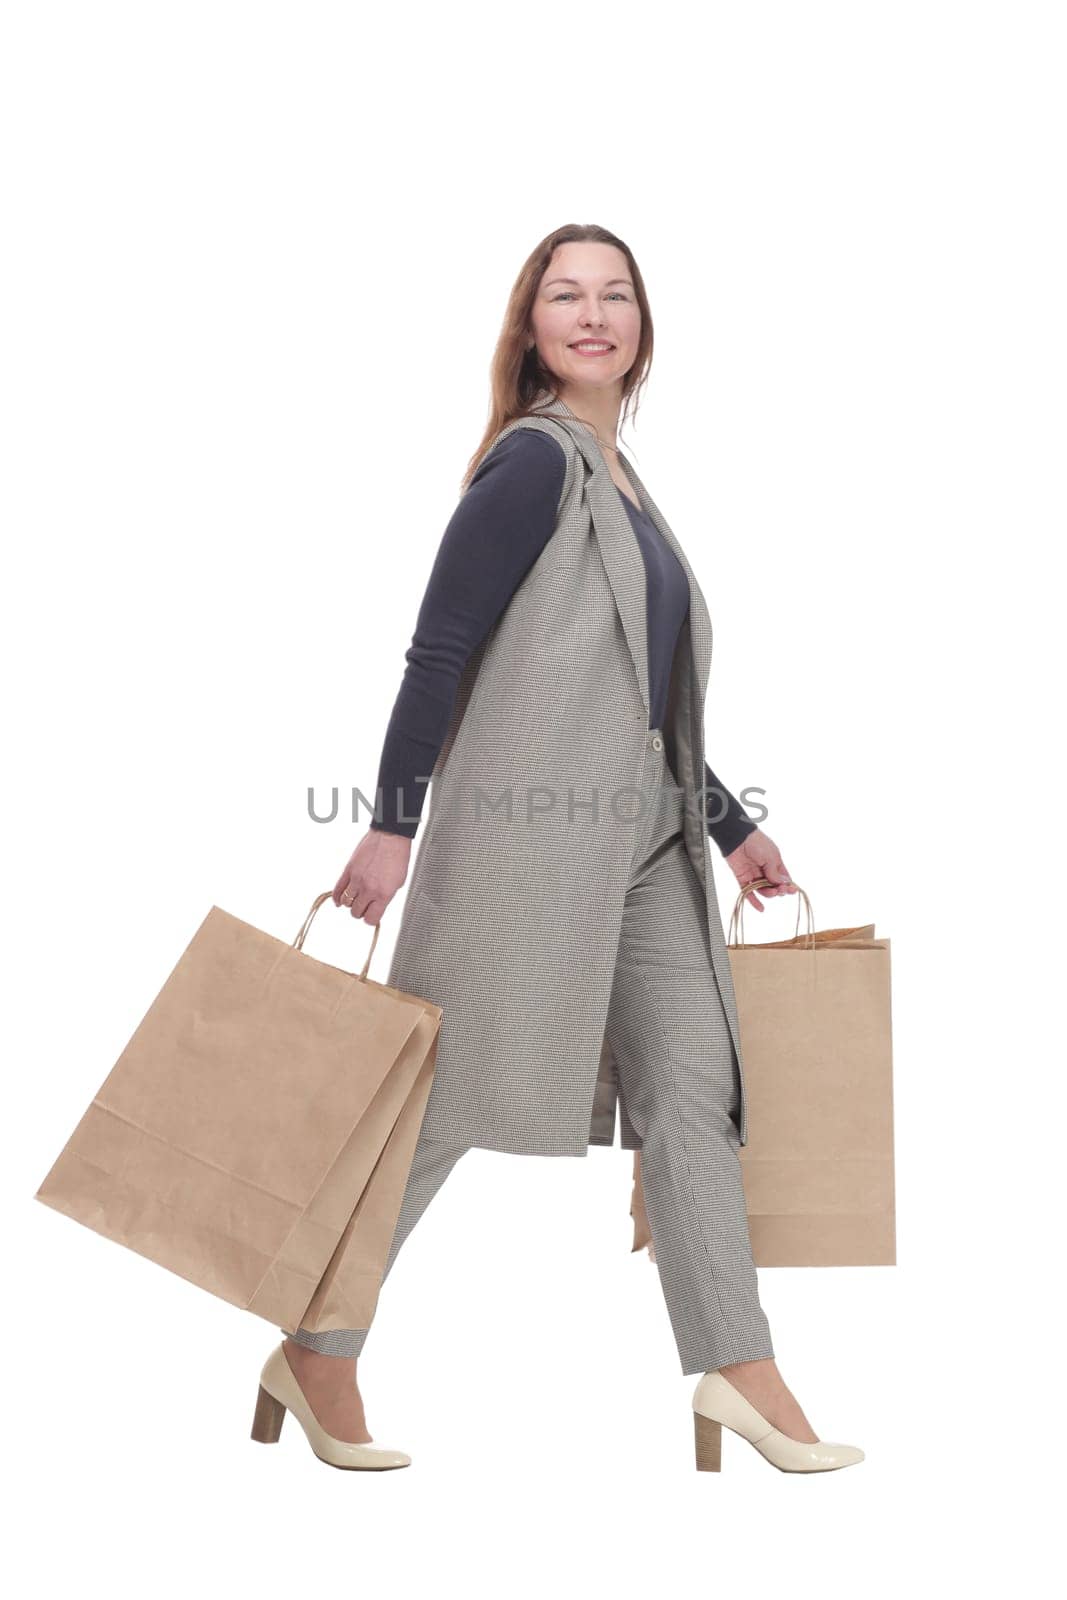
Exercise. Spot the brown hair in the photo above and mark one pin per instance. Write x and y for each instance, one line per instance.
(517, 375)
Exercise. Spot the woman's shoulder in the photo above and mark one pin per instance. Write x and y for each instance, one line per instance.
(523, 460)
(526, 446)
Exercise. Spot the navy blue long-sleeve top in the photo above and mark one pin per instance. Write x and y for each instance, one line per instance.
(496, 533)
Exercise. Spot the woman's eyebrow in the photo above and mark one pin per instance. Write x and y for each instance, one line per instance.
(607, 285)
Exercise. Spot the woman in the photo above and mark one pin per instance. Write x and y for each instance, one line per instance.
(556, 676)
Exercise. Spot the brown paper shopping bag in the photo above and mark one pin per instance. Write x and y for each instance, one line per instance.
(816, 1037)
(256, 1133)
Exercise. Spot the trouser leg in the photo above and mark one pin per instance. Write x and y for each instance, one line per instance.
(679, 1080)
(430, 1166)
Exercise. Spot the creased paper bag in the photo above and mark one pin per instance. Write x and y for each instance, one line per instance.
(255, 1135)
(816, 1040)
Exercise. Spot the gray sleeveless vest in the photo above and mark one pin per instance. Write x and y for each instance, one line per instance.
(513, 909)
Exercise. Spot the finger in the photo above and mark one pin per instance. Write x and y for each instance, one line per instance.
(339, 888)
(783, 882)
(352, 895)
(360, 902)
(374, 912)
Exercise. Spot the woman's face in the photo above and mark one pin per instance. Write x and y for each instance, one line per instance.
(586, 298)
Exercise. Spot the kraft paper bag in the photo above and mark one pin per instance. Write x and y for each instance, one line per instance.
(816, 1037)
(256, 1133)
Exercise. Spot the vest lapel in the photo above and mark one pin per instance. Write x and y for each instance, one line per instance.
(618, 545)
(622, 554)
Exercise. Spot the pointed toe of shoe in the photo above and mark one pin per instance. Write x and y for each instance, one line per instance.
(797, 1455)
(279, 1392)
(361, 1457)
(847, 1455)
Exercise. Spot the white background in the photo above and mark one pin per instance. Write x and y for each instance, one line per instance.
(255, 265)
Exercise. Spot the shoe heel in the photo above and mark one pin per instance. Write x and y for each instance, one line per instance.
(267, 1422)
(708, 1443)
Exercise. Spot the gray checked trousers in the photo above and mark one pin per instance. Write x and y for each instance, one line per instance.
(679, 1080)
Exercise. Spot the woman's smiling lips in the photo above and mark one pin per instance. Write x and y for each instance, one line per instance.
(592, 347)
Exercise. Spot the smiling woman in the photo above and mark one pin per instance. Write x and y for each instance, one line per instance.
(573, 938)
(610, 341)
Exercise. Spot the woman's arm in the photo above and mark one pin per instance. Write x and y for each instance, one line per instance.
(496, 533)
(753, 854)
(734, 825)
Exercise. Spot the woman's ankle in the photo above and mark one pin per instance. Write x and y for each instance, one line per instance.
(301, 1357)
(759, 1367)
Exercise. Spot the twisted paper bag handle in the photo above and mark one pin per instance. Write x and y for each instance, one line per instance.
(737, 921)
(327, 894)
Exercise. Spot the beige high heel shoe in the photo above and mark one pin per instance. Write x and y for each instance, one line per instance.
(716, 1403)
(279, 1392)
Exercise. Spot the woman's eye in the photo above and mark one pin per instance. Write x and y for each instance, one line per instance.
(568, 294)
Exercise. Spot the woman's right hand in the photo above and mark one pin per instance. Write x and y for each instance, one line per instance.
(376, 869)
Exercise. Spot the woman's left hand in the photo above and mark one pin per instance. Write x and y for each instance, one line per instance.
(757, 856)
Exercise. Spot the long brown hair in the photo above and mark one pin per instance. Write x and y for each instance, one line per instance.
(518, 377)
